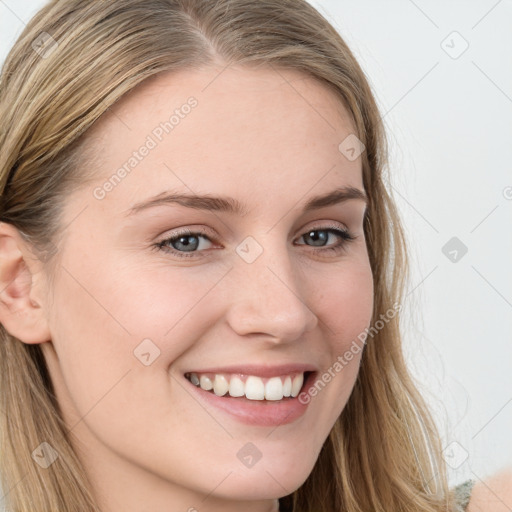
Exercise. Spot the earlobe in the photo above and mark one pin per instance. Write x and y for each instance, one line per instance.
(21, 310)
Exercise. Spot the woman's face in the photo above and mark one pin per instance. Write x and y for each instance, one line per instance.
(154, 296)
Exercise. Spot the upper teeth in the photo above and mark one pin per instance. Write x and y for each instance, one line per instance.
(250, 386)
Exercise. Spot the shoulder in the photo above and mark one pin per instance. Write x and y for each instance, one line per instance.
(494, 494)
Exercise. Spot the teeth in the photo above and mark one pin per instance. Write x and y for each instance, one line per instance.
(254, 388)
(297, 384)
(204, 382)
(274, 389)
(287, 387)
(220, 385)
(236, 387)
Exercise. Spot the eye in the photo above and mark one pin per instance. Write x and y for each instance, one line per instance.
(319, 236)
(186, 240)
(187, 243)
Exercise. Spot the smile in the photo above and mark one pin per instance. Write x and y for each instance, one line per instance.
(250, 386)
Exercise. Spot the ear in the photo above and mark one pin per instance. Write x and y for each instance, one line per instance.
(22, 290)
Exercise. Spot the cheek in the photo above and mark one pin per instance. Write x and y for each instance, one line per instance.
(345, 307)
(346, 304)
(113, 318)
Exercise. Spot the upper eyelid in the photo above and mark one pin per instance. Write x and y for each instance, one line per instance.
(203, 232)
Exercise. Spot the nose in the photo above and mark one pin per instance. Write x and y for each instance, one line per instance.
(266, 299)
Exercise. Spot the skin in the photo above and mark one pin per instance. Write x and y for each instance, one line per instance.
(494, 494)
(270, 140)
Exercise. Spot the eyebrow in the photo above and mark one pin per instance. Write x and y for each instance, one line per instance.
(233, 206)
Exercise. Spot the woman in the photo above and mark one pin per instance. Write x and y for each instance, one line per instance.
(169, 340)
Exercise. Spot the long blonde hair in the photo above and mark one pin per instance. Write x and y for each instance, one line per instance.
(384, 452)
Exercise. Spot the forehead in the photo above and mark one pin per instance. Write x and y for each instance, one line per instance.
(269, 129)
(233, 85)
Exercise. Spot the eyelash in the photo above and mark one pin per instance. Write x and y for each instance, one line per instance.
(345, 235)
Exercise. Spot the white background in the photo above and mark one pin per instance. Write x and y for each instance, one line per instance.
(448, 115)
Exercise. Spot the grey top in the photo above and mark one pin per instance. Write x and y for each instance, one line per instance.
(463, 493)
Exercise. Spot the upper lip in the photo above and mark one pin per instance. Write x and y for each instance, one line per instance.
(259, 370)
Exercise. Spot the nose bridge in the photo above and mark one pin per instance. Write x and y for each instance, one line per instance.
(267, 296)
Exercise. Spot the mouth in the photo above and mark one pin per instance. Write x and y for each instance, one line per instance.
(279, 388)
(257, 395)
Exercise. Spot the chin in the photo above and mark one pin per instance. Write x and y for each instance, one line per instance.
(268, 480)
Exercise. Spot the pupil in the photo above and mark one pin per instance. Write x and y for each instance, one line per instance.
(182, 240)
(321, 237)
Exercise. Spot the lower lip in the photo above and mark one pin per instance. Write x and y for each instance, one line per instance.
(265, 413)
